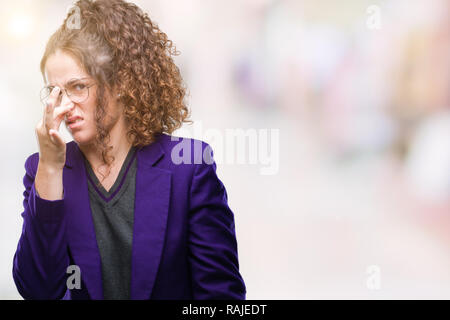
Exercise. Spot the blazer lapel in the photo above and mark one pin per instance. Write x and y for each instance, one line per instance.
(152, 200)
(80, 226)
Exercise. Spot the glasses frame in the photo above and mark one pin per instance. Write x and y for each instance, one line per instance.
(65, 90)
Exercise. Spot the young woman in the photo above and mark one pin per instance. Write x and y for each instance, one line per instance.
(115, 205)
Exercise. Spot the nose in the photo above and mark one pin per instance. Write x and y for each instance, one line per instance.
(65, 101)
(63, 98)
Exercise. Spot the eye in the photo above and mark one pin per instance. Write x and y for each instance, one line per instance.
(79, 87)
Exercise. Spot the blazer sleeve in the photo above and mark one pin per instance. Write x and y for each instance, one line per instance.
(213, 254)
(41, 258)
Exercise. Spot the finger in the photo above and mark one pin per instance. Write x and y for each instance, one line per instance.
(56, 137)
(50, 106)
(53, 98)
(39, 127)
(40, 124)
(60, 113)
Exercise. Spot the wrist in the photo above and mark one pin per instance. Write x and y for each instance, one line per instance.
(49, 168)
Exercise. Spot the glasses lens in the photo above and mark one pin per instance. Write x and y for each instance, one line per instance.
(79, 93)
(45, 92)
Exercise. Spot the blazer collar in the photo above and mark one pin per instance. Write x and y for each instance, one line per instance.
(152, 199)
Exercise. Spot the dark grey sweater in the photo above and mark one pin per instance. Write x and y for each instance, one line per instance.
(113, 215)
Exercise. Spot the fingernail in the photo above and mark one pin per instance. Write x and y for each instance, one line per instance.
(56, 89)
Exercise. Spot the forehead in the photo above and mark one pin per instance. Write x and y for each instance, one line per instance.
(62, 67)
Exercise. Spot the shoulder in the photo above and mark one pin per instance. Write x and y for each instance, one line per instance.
(192, 160)
(184, 150)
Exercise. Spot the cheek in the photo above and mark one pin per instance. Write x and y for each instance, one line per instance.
(89, 111)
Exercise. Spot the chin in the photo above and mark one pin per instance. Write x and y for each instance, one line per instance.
(82, 138)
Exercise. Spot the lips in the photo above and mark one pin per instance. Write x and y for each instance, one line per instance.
(73, 119)
(74, 123)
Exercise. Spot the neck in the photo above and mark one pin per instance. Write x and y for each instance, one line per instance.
(118, 141)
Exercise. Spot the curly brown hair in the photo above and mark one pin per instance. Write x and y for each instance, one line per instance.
(120, 47)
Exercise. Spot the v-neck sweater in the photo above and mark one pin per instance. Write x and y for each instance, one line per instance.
(113, 216)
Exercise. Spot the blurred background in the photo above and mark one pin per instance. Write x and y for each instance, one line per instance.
(360, 93)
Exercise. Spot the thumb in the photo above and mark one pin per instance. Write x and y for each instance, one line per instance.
(56, 137)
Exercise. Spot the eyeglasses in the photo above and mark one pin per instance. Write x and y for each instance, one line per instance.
(76, 90)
